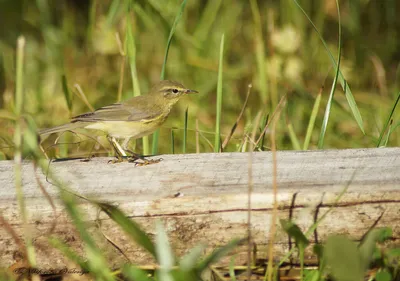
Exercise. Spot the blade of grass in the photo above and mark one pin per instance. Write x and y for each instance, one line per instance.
(112, 12)
(172, 142)
(219, 253)
(189, 260)
(274, 217)
(66, 92)
(277, 110)
(68, 253)
(165, 257)
(133, 273)
(314, 226)
(185, 130)
(19, 107)
(346, 88)
(384, 129)
(232, 269)
(129, 226)
(227, 139)
(82, 96)
(197, 137)
(122, 67)
(162, 76)
(68, 99)
(311, 123)
(293, 138)
(208, 17)
(217, 142)
(262, 136)
(386, 140)
(131, 52)
(95, 258)
(260, 51)
(333, 88)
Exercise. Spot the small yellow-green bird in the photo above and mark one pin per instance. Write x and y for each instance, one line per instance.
(134, 118)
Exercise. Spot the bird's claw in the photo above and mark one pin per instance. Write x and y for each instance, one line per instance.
(146, 162)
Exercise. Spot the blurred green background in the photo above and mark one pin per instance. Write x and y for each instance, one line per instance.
(269, 44)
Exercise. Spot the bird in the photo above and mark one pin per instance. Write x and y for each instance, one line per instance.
(134, 118)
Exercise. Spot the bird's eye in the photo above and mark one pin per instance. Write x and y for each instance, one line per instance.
(175, 91)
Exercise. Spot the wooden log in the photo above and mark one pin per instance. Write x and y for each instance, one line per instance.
(202, 198)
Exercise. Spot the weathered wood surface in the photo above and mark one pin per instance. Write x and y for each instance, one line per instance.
(212, 206)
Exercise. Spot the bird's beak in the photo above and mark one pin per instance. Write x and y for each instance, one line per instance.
(188, 91)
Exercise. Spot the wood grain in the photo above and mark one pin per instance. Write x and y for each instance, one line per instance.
(202, 198)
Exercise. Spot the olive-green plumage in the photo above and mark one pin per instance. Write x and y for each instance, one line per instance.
(133, 118)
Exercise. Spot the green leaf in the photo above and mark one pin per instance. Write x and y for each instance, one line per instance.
(342, 255)
(333, 88)
(163, 249)
(311, 123)
(318, 249)
(217, 143)
(384, 129)
(165, 257)
(162, 76)
(311, 275)
(67, 94)
(135, 274)
(383, 275)
(295, 232)
(368, 245)
(342, 80)
(129, 226)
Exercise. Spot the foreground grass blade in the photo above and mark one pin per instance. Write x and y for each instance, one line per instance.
(311, 123)
(349, 95)
(129, 226)
(333, 88)
(189, 261)
(162, 77)
(384, 129)
(68, 252)
(217, 142)
(343, 258)
(165, 257)
(18, 111)
(97, 264)
(185, 130)
(133, 273)
(219, 253)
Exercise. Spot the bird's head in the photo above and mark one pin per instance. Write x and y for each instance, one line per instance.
(170, 91)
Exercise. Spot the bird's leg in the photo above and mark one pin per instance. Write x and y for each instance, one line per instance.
(120, 153)
(134, 156)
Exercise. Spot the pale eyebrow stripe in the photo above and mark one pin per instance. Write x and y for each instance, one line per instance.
(171, 88)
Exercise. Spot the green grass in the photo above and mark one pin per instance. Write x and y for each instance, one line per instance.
(283, 48)
(187, 35)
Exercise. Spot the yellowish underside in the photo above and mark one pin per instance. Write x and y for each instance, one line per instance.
(125, 129)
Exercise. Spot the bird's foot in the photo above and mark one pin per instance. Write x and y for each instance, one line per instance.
(145, 162)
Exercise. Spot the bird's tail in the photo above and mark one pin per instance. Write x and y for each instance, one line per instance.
(61, 128)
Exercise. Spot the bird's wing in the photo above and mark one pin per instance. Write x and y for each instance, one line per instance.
(120, 112)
